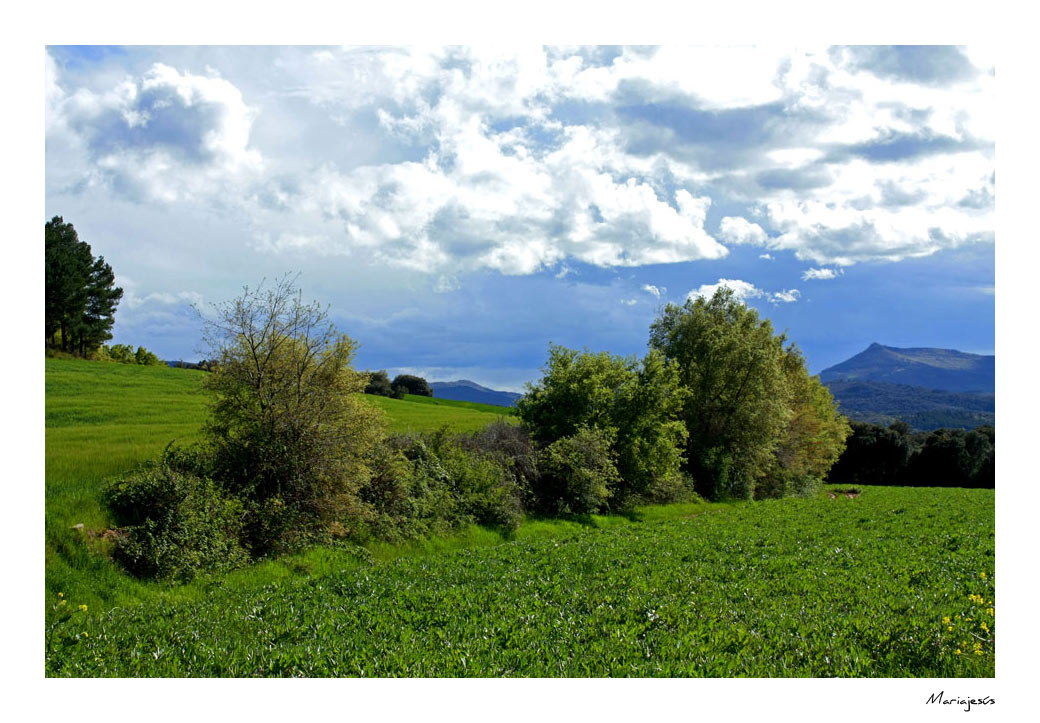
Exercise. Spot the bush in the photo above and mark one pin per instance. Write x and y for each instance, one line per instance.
(511, 446)
(146, 358)
(677, 487)
(174, 525)
(409, 493)
(481, 488)
(125, 354)
(783, 482)
(578, 472)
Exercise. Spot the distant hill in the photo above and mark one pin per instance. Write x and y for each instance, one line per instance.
(923, 409)
(946, 369)
(924, 387)
(464, 390)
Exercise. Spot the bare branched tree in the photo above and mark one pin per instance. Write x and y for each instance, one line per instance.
(290, 433)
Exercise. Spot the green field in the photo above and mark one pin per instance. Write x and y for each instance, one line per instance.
(868, 586)
(425, 414)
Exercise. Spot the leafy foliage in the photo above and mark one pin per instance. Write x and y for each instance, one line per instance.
(635, 405)
(813, 439)
(579, 474)
(379, 384)
(894, 455)
(739, 396)
(125, 354)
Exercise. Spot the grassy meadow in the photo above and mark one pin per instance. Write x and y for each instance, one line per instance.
(889, 582)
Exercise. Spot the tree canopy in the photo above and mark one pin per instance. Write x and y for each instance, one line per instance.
(410, 384)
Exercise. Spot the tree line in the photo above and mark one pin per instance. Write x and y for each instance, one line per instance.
(292, 455)
(896, 455)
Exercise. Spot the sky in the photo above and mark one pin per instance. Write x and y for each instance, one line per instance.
(459, 208)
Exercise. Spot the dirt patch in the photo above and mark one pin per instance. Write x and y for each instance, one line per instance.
(109, 534)
(851, 493)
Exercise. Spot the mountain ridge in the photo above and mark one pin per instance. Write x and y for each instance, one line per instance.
(464, 390)
(929, 367)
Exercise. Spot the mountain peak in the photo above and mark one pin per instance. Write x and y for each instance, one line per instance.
(946, 369)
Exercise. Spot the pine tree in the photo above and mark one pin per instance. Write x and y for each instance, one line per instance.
(80, 292)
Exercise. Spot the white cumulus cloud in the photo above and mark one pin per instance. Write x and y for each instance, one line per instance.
(737, 230)
(741, 289)
(809, 274)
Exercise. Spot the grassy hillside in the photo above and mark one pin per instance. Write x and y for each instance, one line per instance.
(425, 414)
(893, 582)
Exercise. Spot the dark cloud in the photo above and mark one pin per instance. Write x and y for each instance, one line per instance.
(926, 64)
(713, 139)
(903, 146)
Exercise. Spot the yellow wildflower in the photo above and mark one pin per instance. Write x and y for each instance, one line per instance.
(61, 594)
(946, 619)
(85, 635)
(957, 651)
(949, 627)
(82, 608)
(982, 575)
(984, 627)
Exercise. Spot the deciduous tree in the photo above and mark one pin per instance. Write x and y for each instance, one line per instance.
(738, 402)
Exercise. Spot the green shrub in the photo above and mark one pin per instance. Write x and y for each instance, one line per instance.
(173, 524)
(485, 489)
(511, 446)
(436, 484)
(578, 472)
(379, 384)
(678, 487)
(409, 493)
(146, 358)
